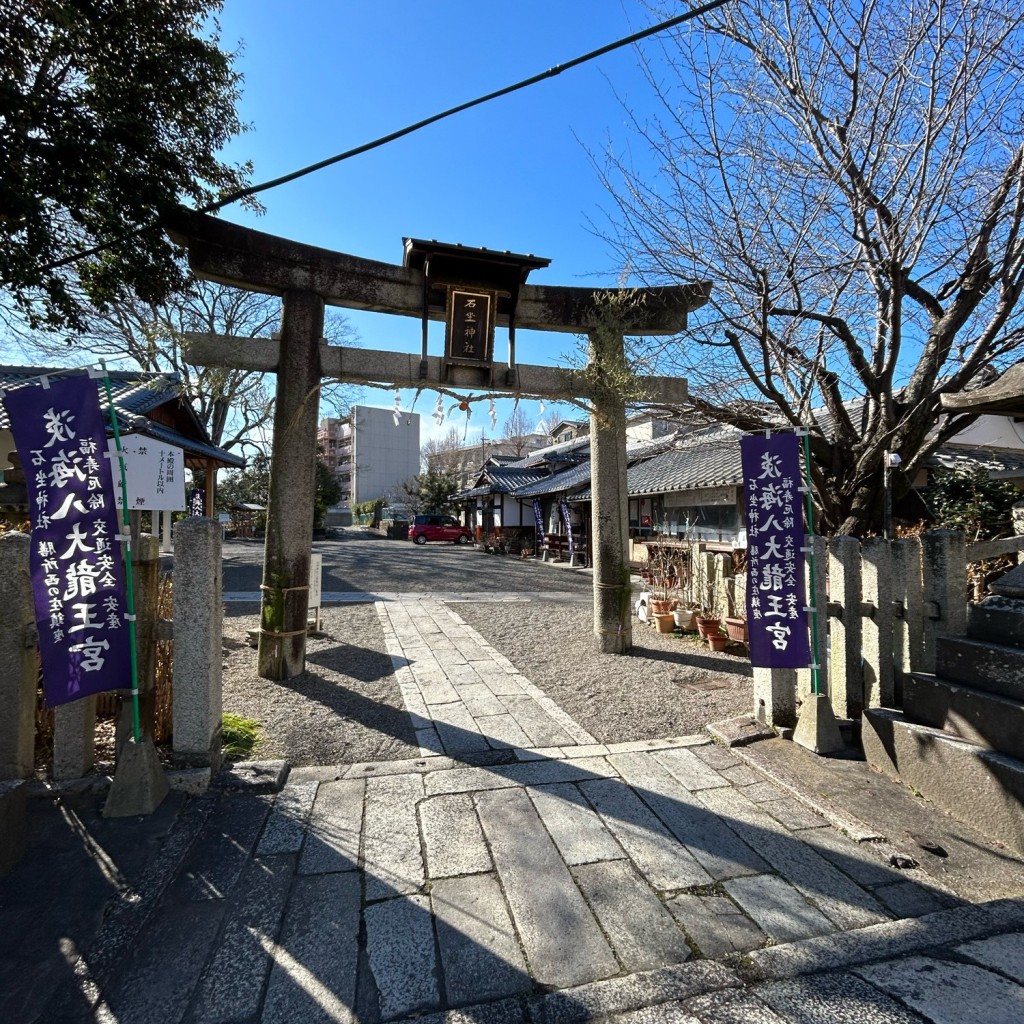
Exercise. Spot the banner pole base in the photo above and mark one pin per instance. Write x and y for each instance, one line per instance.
(140, 784)
(816, 728)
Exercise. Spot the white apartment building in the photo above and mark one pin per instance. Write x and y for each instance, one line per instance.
(369, 453)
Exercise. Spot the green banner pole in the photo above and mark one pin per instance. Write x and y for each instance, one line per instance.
(812, 599)
(127, 548)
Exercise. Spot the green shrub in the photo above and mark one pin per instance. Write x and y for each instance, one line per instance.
(239, 736)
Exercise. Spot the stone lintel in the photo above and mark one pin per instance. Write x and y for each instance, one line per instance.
(401, 369)
(234, 255)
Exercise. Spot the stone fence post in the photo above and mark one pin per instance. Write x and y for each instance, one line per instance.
(879, 649)
(198, 630)
(845, 679)
(944, 587)
(17, 659)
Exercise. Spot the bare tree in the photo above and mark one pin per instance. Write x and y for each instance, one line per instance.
(230, 403)
(517, 431)
(850, 177)
(443, 454)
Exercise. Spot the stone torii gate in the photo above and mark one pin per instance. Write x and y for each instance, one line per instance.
(307, 278)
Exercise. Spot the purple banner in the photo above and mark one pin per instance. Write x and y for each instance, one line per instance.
(539, 521)
(776, 615)
(567, 519)
(76, 562)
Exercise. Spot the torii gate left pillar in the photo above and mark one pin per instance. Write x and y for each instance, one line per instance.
(306, 278)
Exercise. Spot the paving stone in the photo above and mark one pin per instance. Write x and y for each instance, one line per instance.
(761, 792)
(661, 1013)
(578, 831)
(479, 700)
(780, 911)
(499, 682)
(315, 960)
(571, 726)
(689, 769)
(632, 992)
(526, 773)
(538, 753)
(715, 925)
(452, 839)
(1003, 953)
(640, 929)
(839, 998)
(741, 775)
(400, 952)
(403, 766)
(586, 750)
(152, 986)
(836, 895)
(944, 991)
(908, 899)
(711, 842)
(502, 1011)
(661, 858)
(858, 860)
(717, 757)
(232, 985)
(457, 729)
(392, 859)
(332, 840)
(429, 742)
(314, 773)
(436, 689)
(536, 723)
(791, 813)
(545, 903)
(286, 826)
(221, 853)
(592, 767)
(731, 1007)
(480, 954)
(502, 731)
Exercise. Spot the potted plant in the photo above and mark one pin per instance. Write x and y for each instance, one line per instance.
(705, 593)
(718, 641)
(663, 581)
(736, 627)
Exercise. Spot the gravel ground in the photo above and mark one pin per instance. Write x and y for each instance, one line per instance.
(668, 685)
(347, 706)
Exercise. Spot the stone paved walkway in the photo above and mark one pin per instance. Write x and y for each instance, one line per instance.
(524, 872)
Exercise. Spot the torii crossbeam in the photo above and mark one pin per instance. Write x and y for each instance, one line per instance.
(307, 278)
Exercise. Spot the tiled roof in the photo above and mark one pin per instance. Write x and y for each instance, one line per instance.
(710, 460)
(135, 394)
(997, 461)
(574, 476)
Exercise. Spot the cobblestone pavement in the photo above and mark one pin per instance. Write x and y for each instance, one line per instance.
(519, 871)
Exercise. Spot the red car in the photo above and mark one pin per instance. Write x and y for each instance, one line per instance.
(438, 527)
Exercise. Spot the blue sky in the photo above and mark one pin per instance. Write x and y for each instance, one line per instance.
(321, 77)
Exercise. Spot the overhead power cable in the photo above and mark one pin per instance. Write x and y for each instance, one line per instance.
(265, 186)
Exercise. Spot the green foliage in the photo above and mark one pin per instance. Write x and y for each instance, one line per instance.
(239, 736)
(250, 485)
(327, 493)
(111, 113)
(432, 491)
(966, 499)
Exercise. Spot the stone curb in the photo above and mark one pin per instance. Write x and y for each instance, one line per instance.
(842, 950)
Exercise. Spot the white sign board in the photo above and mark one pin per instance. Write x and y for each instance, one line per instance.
(155, 473)
(316, 569)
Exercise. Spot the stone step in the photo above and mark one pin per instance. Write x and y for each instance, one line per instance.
(983, 718)
(997, 619)
(978, 786)
(992, 667)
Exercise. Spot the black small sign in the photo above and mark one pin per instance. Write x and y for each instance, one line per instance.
(470, 329)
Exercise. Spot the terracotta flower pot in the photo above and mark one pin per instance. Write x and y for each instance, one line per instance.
(717, 641)
(665, 622)
(660, 607)
(708, 626)
(736, 627)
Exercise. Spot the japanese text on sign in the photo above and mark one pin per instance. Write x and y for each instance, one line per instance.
(776, 608)
(75, 561)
